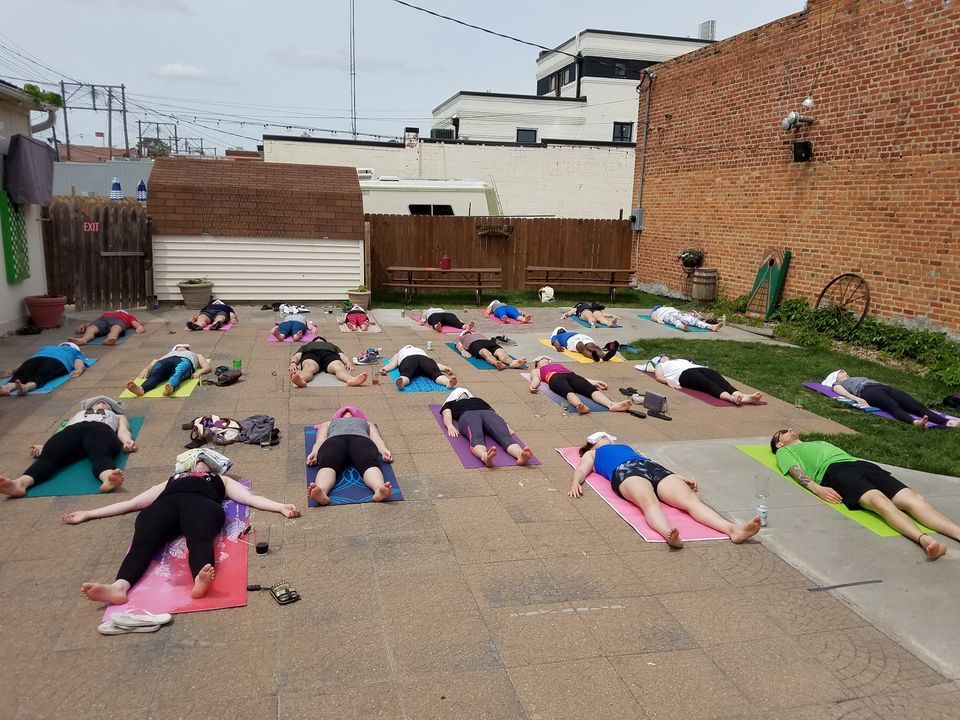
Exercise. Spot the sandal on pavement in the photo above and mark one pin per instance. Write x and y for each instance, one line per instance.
(111, 628)
(629, 392)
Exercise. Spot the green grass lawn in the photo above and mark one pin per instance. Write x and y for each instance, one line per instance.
(781, 372)
(520, 298)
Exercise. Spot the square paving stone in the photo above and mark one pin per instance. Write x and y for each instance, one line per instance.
(594, 578)
(510, 583)
(370, 700)
(624, 626)
(450, 643)
(482, 695)
(721, 616)
(538, 634)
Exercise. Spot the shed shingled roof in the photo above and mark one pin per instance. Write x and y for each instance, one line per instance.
(229, 198)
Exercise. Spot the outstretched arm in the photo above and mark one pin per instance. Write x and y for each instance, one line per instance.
(805, 481)
(598, 384)
(126, 437)
(347, 362)
(447, 416)
(580, 475)
(233, 318)
(658, 374)
(841, 390)
(139, 502)
(78, 367)
(463, 353)
(321, 436)
(534, 380)
(557, 346)
(146, 370)
(205, 367)
(381, 445)
(238, 493)
(138, 327)
(392, 365)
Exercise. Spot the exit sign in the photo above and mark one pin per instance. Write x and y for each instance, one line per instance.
(90, 226)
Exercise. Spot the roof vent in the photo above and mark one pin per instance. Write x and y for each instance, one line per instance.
(365, 173)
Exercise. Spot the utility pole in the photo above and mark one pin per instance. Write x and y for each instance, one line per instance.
(109, 123)
(66, 127)
(353, 72)
(126, 140)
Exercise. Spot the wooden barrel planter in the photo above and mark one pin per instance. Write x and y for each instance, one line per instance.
(704, 286)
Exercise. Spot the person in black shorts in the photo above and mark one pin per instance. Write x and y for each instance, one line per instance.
(437, 318)
(319, 356)
(645, 483)
(836, 476)
(187, 504)
(412, 361)
(474, 344)
(216, 315)
(592, 313)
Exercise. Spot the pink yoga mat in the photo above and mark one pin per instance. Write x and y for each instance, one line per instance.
(166, 586)
(470, 461)
(446, 328)
(689, 528)
(709, 399)
(305, 339)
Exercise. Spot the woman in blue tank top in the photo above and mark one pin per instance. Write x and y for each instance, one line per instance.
(644, 483)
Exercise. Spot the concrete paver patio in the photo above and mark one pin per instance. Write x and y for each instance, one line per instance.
(485, 594)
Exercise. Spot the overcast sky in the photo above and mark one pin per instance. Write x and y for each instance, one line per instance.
(287, 63)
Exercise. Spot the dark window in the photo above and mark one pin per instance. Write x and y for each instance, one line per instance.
(420, 210)
(443, 210)
(612, 67)
(431, 209)
(623, 132)
(442, 134)
(569, 74)
(619, 70)
(525, 135)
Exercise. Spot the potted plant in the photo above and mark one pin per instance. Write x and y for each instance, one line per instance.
(361, 296)
(46, 311)
(690, 258)
(196, 292)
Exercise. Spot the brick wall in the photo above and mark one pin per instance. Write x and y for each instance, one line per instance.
(882, 195)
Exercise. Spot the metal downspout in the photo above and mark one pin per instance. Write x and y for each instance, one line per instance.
(651, 76)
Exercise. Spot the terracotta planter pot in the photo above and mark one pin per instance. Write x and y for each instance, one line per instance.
(196, 295)
(362, 299)
(46, 312)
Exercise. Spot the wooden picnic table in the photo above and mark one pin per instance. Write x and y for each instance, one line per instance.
(412, 279)
(611, 278)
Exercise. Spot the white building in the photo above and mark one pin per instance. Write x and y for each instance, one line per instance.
(568, 151)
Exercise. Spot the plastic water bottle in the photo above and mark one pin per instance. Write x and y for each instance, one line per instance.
(429, 345)
(762, 512)
(763, 487)
(565, 407)
(403, 313)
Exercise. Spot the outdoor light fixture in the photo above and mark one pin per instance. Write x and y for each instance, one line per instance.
(794, 119)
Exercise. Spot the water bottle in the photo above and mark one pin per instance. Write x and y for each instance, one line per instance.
(762, 485)
(429, 345)
(403, 313)
(565, 407)
(762, 512)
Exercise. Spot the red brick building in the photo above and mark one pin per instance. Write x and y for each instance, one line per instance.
(881, 196)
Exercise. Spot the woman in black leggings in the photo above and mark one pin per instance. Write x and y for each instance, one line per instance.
(99, 432)
(681, 373)
(870, 393)
(570, 386)
(187, 504)
(411, 361)
(437, 318)
(348, 440)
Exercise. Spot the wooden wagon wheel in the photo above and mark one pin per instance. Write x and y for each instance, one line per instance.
(848, 295)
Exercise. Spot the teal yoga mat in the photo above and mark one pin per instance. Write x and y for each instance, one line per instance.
(692, 329)
(120, 340)
(418, 384)
(600, 326)
(476, 362)
(78, 479)
(55, 383)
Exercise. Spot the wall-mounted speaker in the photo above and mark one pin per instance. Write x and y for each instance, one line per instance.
(802, 151)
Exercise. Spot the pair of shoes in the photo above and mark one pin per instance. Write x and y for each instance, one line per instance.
(503, 340)
(370, 356)
(629, 391)
(29, 330)
(193, 326)
(216, 325)
(133, 621)
(636, 413)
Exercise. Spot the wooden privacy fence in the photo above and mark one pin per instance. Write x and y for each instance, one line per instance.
(508, 243)
(98, 252)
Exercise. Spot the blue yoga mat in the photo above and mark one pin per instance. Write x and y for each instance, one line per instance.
(692, 329)
(120, 340)
(350, 487)
(55, 383)
(578, 319)
(78, 478)
(418, 384)
(476, 362)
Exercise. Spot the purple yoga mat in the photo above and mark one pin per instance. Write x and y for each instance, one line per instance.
(545, 390)
(831, 393)
(470, 461)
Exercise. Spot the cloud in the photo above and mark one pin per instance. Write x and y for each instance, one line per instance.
(182, 72)
(339, 60)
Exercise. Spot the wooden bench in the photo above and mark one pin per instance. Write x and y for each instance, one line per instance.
(611, 278)
(412, 279)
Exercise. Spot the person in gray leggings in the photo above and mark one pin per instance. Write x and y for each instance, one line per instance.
(464, 414)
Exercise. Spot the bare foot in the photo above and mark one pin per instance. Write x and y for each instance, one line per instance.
(383, 492)
(11, 488)
(754, 398)
(276, 333)
(109, 341)
(518, 363)
(685, 328)
(297, 335)
(113, 481)
(113, 594)
(491, 454)
(77, 341)
(453, 380)
(317, 494)
(5, 390)
(134, 388)
(401, 382)
(168, 390)
(203, 581)
(469, 326)
(714, 328)
(673, 539)
(358, 380)
(21, 388)
(297, 380)
(621, 406)
(438, 327)
(500, 365)
(582, 409)
(922, 423)
(738, 398)
(525, 456)
(953, 423)
(742, 531)
(932, 547)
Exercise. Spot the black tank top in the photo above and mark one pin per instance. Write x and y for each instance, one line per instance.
(209, 485)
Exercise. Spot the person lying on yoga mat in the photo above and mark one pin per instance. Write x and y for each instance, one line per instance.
(872, 393)
(562, 339)
(216, 315)
(474, 344)
(348, 440)
(592, 313)
(835, 476)
(437, 318)
(666, 315)
(567, 384)
(46, 364)
(187, 504)
(464, 414)
(681, 373)
(356, 319)
(294, 325)
(170, 370)
(411, 361)
(501, 310)
(112, 324)
(644, 483)
(99, 432)
(320, 355)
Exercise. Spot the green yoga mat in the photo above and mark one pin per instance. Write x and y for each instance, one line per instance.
(183, 390)
(78, 479)
(870, 520)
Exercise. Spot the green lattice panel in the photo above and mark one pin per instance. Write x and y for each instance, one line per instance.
(13, 231)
